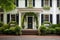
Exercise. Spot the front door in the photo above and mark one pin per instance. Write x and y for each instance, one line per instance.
(30, 22)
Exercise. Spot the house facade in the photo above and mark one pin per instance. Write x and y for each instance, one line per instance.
(32, 13)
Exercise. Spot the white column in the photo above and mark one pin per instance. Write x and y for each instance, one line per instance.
(19, 19)
(5, 18)
(54, 18)
(39, 18)
(54, 11)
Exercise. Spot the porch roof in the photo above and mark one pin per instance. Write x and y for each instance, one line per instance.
(30, 9)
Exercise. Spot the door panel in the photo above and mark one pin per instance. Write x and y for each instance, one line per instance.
(30, 23)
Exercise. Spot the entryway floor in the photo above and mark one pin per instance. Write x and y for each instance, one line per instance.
(28, 37)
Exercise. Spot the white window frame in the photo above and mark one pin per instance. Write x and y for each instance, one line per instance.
(45, 4)
(44, 17)
(28, 3)
(11, 17)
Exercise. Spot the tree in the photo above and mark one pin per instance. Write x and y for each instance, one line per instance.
(7, 5)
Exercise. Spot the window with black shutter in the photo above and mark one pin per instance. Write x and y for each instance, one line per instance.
(33, 3)
(51, 18)
(1, 17)
(17, 18)
(42, 3)
(25, 3)
(57, 18)
(8, 18)
(16, 3)
(42, 18)
(58, 2)
(50, 3)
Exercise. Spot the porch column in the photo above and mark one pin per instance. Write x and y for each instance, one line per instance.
(19, 19)
(39, 18)
(5, 18)
(54, 18)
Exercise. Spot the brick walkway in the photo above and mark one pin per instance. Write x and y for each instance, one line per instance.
(29, 37)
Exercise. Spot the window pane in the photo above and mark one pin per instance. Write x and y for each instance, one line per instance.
(46, 17)
(13, 17)
(1, 17)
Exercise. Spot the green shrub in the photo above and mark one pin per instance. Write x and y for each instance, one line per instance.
(18, 30)
(5, 26)
(54, 25)
(12, 23)
(43, 29)
(7, 31)
(12, 28)
(1, 29)
(57, 30)
(1, 24)
(51, 31)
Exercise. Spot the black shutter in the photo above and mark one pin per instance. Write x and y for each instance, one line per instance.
(42, 3)
(50, 3)
(17, 3)
(8, 18)
(51, 18)
(2, 17)
(57, 3)
(57, 18)
(25, 3)
(42, 18)
(17, 18)
(33, 3)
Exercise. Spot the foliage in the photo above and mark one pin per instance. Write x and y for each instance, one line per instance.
(1, 24)
(12, 23)
(43, 29)
(54, 25)
(7, 5)
(57, 30)
(46, 22)
(5, 26)
(1, 29)
(46, 8)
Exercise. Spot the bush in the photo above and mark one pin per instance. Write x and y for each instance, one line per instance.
(5, 26)
(46, 8)
(1, 29)
(43, 29)
(1, 24)
(12, 23)
(57, 30)
(51, 31)
(54, 25)
(18, 30)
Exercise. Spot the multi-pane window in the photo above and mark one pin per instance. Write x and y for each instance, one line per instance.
(58, 3)
(46, 17)
(16, 2)
(1, 17)
(13, 17)
(29, 3)
(46, 3)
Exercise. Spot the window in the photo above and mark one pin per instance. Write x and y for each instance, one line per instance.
(46, 17)
(1, 17)
(58, 18)
(16, 3)
(46, 3)
(29, 3)
(58, 3)
(13, 17)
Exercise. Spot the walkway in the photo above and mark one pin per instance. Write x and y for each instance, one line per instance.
(29, 37)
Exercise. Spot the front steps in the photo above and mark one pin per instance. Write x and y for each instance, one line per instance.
(29, 32)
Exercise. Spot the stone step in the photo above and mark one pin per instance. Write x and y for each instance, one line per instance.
(29, 32)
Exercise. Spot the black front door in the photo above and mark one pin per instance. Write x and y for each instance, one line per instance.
(30, 23)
